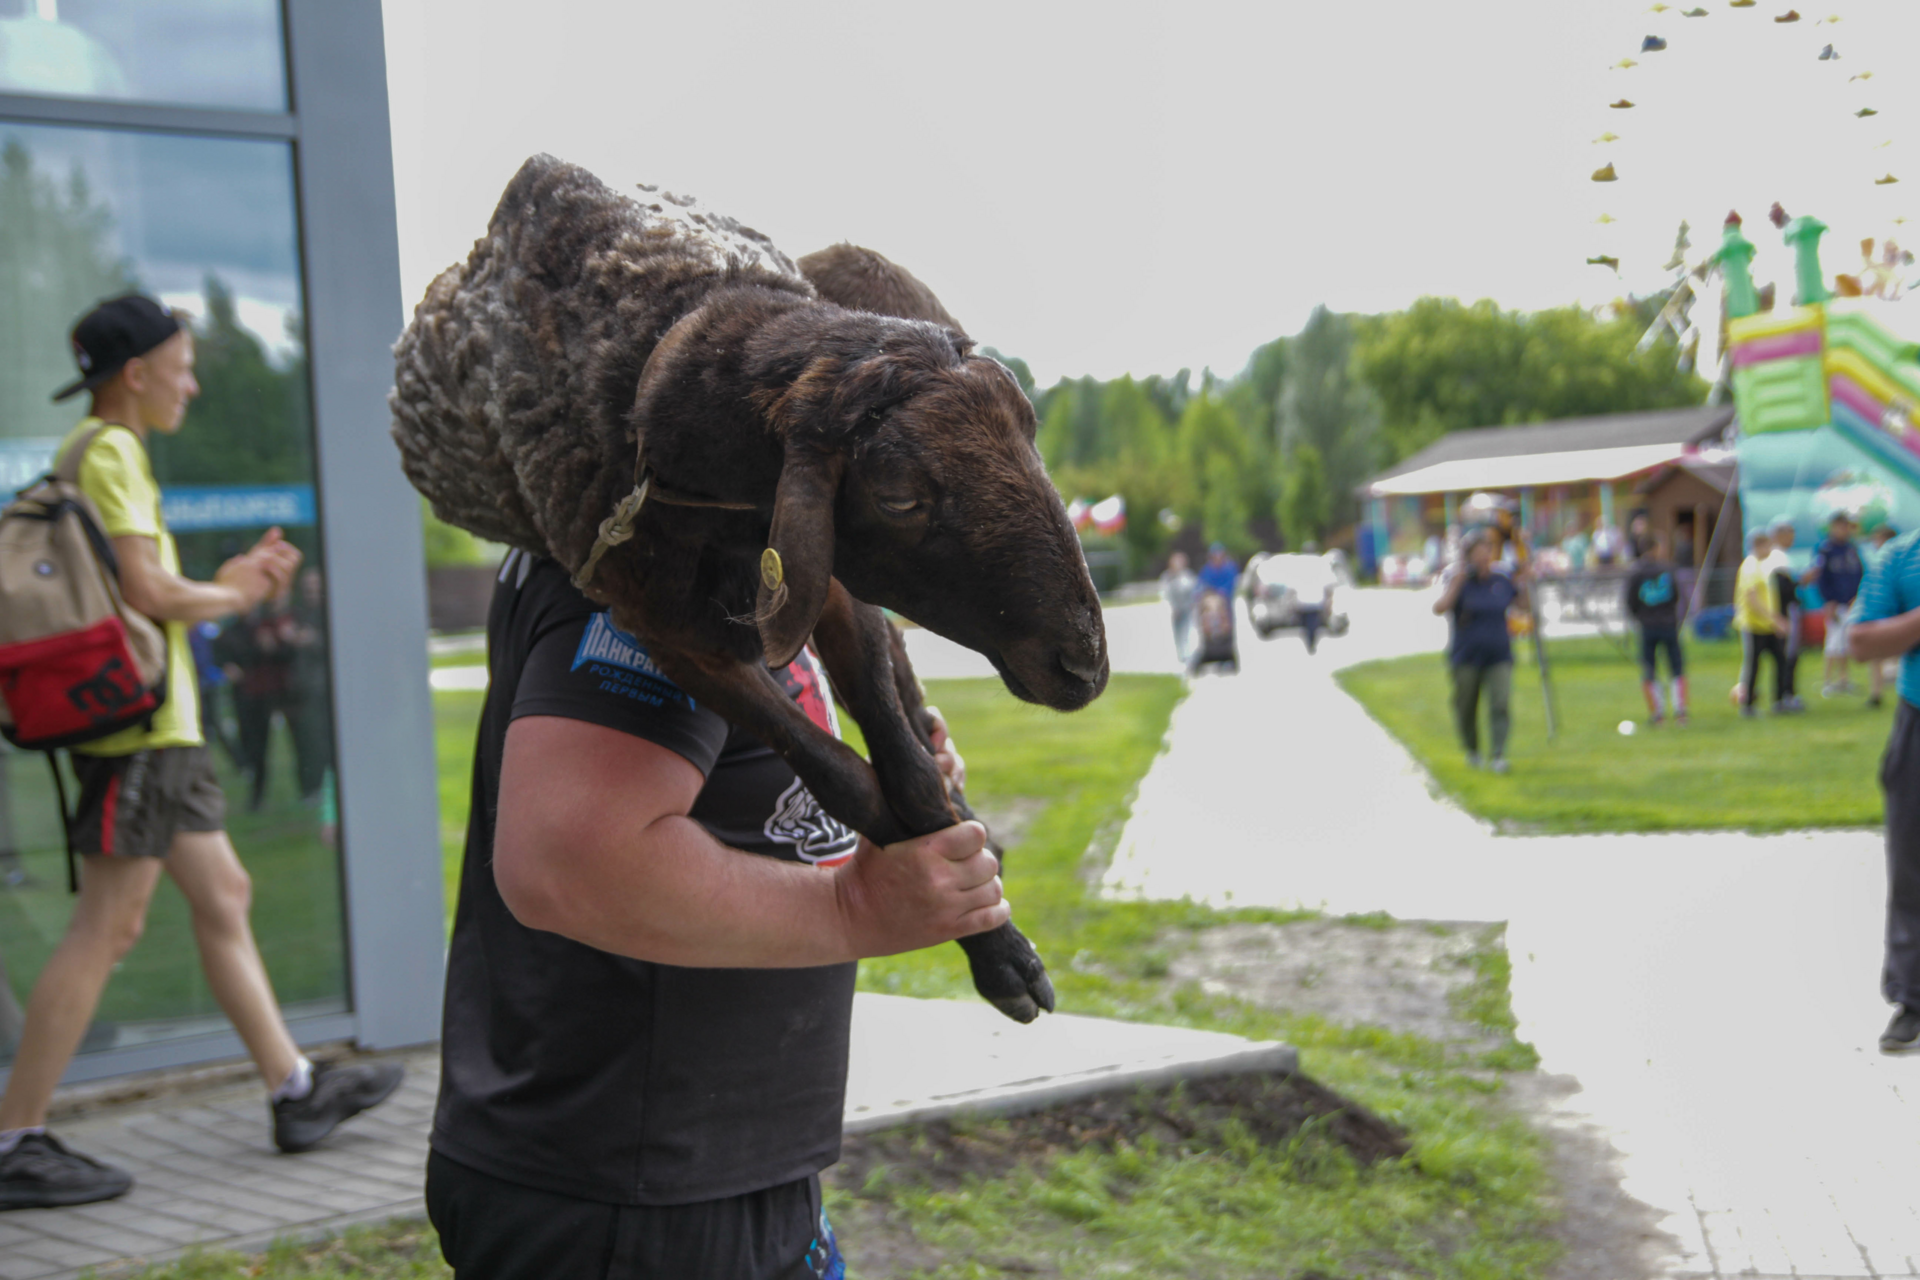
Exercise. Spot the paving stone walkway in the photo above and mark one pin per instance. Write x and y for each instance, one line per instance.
(207, 1174)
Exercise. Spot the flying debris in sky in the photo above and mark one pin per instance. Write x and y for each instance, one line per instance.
(1693, 13)
(1606, 218)
(1864, 112)
(1777, 215)
(1887, 181)
(1791, 15)
(1652, 44)
(1623, 64)
(1659, 8)
(1621, 105)
(1828, 55)
(1862, 75)
(1741, 4)
(1608, 136)
(1605, 174)
(1605, 261)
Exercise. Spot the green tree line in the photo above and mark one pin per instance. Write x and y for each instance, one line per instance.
(1273, 455)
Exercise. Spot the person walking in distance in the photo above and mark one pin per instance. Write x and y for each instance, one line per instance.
(1653, 601)
(1888, 626)
(149, 800)
(1836, 572)
(1786, 585)
(1477, 594)
(1761, 624)
(1179, 587)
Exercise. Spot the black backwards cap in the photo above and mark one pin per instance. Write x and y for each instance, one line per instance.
(118, 330)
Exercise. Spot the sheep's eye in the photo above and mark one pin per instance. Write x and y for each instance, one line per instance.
(902, 506)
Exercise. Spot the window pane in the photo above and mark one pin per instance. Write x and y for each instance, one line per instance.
(208, 225)
(203, 53)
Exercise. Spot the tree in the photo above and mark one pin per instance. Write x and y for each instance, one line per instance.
(1306, 503)
(251, 423)
(57, 259)
(1213, 447)
(1324, 406)
(1442, 366)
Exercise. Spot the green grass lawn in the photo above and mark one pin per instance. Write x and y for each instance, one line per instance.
(1771, 773)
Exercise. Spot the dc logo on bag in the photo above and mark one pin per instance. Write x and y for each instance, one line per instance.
(107, 693)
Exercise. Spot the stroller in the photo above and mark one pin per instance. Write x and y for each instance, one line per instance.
(1217, 644)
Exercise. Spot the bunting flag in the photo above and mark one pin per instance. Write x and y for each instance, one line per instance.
(1655, 42)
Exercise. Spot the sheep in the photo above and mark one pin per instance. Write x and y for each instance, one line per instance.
(860, 279)
(654, 396)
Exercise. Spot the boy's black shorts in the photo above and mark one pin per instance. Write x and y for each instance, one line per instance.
(132, 806)
(491, 1229)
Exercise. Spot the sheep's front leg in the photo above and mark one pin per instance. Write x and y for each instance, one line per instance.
(867, 663)
(747, 696)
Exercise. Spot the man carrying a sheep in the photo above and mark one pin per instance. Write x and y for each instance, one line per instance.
(646, 1030)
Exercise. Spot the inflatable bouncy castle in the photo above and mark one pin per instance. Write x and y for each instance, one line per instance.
(1827, 398)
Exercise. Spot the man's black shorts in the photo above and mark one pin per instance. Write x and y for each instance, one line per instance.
(491, 1229)
(132, 806)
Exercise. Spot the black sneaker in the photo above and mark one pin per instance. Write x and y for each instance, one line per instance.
(1903, 1033)
(338, 1093)
(40, 1173)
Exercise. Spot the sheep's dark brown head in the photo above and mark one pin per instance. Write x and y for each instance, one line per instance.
(910, 473)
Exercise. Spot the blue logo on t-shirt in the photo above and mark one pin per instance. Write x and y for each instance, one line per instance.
(623, 665)
(1657, 591)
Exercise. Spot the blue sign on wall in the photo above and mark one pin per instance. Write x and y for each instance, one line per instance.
(193, 508)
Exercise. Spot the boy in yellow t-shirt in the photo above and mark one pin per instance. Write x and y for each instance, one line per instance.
(149, 798)
(1756, 615)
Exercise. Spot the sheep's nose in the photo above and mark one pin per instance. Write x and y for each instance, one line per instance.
(1090, 672)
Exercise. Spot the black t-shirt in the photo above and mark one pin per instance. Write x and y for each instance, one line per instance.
(1653, 596)
(1480, 637)
(592, 1075)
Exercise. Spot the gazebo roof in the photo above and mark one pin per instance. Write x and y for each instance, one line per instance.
(1565, 451)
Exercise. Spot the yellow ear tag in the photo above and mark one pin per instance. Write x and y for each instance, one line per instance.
(772, 572)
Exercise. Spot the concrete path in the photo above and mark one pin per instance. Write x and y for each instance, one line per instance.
(207, 1174)
(1714, 995)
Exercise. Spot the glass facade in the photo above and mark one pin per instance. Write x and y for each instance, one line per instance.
(202, 53)
(209, 225)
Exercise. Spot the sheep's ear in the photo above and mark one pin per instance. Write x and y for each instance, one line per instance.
(797, 566)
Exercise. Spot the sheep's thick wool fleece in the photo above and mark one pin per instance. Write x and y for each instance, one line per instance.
(514, 382)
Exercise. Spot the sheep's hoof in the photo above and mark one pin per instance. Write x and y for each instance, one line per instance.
(1019, 1008)
(1009, 973)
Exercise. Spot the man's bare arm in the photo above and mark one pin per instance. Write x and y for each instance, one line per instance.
(592, 841)
(239, 585)
(1888, 638)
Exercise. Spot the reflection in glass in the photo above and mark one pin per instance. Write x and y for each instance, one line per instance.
(206, 53)
(209, 226)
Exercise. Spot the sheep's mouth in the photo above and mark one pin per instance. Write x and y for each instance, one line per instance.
(1061, 689)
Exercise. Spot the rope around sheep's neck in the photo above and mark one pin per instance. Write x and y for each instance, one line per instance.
(618, 527)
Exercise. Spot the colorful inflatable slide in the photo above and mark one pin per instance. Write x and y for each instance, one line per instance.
(1827, 399)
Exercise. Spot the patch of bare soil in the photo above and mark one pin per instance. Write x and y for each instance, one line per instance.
(1191, 1117)
(1399, 976)
(1405, 976)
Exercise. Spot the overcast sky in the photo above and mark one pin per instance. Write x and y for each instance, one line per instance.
(1123, 187)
